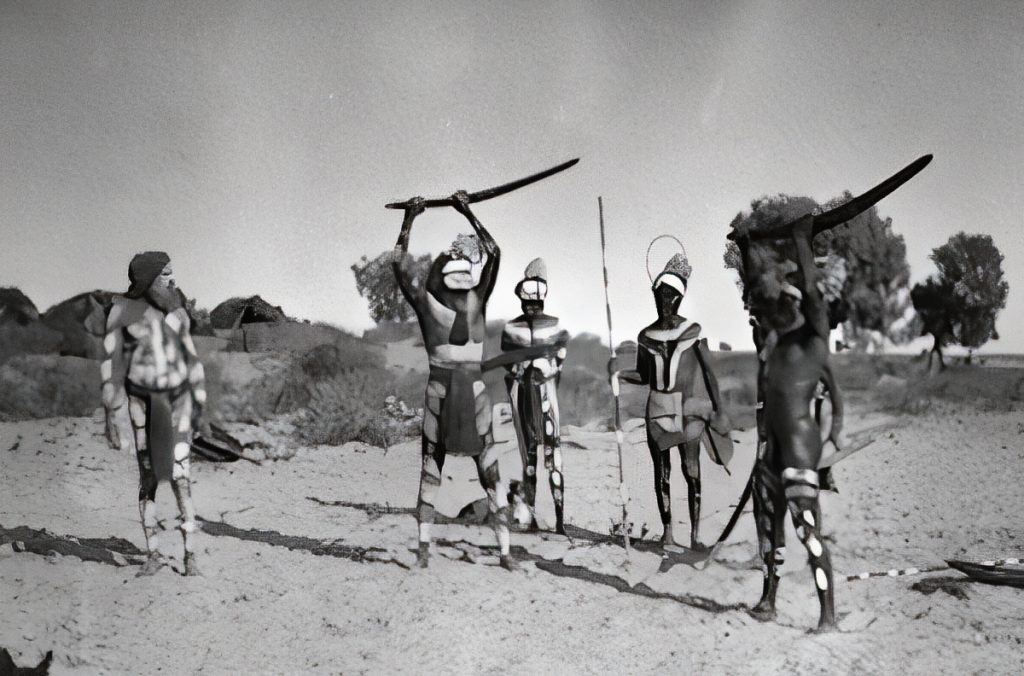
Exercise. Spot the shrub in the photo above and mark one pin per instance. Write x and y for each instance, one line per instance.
(44, 386)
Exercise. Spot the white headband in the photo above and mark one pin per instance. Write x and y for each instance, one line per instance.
(672, 280)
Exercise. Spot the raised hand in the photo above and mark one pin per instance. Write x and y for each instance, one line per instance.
(460, 199)
(415, 206)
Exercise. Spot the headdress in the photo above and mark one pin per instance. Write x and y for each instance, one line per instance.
(534, 285)
(466, 246)
(676, 273)
(143, 270)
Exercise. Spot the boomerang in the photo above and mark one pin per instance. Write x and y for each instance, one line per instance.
(488, 193)
(850, 209)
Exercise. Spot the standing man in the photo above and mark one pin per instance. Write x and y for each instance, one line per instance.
(538, 344)
(684, 402)
(148, 340)
(787, 304)
(450, 305)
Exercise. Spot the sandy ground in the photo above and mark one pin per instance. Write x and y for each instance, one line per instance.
(943, 485)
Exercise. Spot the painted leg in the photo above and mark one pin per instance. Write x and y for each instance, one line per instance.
(490, 479)
(662, 488)
(529, 487)
(147, 510)
(769, 513)
(147, 488)
(690, 453)
(180, 482)
(430, 484)
(556, 479)
(802, 497)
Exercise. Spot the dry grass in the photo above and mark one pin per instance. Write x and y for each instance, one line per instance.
(44, 386)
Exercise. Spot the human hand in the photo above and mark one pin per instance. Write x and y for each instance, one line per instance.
(460, 199)
(415, 206)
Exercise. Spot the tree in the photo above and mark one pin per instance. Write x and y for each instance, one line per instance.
(375, 281)
(930, 300)
(970, 275)
(877, 293)
(866, 276)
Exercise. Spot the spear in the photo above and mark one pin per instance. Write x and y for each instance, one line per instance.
(623, 492)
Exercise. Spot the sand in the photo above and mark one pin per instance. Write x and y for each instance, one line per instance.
(946, 484)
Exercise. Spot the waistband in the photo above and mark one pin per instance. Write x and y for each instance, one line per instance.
(140, 391)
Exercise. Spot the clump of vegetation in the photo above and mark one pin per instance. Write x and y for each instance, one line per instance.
(960, 303)
(375, 281)
(865, 274)
(44, 386)
(338, 394)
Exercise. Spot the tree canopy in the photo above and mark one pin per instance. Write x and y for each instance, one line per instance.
(375, 281)
(872, 293)
(961, 301)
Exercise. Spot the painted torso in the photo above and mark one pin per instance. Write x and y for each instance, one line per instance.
(795, 365)
(671, 361)
(156, 354)
(539, 330)
(444, 340)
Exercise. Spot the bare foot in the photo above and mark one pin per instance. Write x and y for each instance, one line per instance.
(762, 612)
(508, 563)
(423, 557)
(154, 562)
(191, 567)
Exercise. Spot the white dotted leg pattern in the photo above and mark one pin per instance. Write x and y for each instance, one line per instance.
(801, 487)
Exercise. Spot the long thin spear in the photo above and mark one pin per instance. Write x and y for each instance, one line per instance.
(623, 492)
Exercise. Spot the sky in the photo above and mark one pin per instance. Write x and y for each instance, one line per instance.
(257, 142)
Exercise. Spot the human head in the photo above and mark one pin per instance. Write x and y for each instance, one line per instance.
(533, 288)
(669, 286)
(152, 277)
(462, 264)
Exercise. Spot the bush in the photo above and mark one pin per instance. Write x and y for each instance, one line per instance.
(356, 405)
(584, 397)
(33, 338)
(45, 386)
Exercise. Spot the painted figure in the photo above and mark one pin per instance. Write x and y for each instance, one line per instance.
(450, 305)
(537, 344)
(792, 332)
(684, 406)
(789, 304)
(160, 379)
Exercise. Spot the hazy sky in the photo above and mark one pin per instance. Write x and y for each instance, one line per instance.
(258, 142)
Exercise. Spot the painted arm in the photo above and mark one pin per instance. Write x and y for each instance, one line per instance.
(114, 398)
(638, 375)
(721, 421)
(196, 373)
(508, 345)
(813, 305)
(836, 397)
(487, 244)
(413, 208)
(562, 342)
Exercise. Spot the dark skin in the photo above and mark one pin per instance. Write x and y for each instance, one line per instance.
(786, 382)
(534, 316)
(435, 334)
(450, 307)
(667, 301)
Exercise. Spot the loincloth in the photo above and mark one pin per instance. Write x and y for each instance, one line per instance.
(458, 409)
(672, 421)
(161, 425)
(535, 405)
